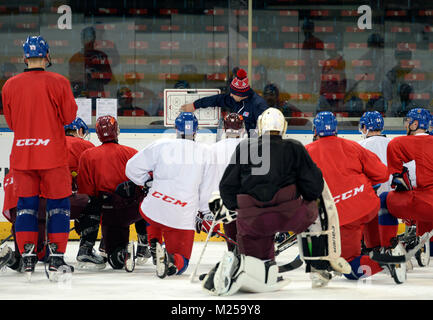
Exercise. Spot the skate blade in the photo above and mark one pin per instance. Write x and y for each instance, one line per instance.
(89, 266)
(63, 274)
(141, 261)
(130, 261)
(318, 281)
(28, 276)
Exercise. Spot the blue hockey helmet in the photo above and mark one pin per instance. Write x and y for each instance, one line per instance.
(186, 123)
(421, 115)
(325, 124)
(35, 47)
(372, 120)
(77, 124)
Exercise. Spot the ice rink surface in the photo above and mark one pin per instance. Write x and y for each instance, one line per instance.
(143, 284)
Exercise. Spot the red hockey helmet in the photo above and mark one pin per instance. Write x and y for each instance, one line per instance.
(107, 128)
(233, 121)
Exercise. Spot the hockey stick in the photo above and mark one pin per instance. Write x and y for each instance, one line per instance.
(214, 222)
(6, 239)
(292, 265)
(225, 237)
(387, 259)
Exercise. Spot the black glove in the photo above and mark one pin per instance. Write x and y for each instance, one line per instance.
(126, 189)
(89, 217)
(147, 185)
(401, 181)
(221, 214)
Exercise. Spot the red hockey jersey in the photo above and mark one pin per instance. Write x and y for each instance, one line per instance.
(418, 203)
(407, 148)
(37, 104)
(10, 198)
(102, 168)
(76, 147)
(350, 172)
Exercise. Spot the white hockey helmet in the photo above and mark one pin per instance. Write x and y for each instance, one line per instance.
(271, 119)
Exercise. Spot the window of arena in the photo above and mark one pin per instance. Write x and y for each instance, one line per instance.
(307, 55)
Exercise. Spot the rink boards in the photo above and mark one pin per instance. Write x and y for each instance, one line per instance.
(138, 139)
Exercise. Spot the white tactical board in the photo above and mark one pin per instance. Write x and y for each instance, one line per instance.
(175, 98)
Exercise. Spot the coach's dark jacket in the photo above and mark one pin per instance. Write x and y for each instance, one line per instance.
(250, 108)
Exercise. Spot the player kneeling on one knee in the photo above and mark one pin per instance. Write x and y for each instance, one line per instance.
(264, 209)
(180, 188)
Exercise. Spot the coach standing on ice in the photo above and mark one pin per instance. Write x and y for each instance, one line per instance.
(37, 104)
(242, 100)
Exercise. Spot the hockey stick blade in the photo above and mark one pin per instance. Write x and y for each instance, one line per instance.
(386, 258)
(295, 264)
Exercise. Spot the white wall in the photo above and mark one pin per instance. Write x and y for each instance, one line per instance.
(134, 140)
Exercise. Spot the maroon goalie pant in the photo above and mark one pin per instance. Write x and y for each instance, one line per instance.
(258, 222)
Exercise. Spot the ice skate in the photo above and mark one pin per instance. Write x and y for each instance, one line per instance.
(422, 256)
(6, 254)
(143, 251)
(29, 260)
(396, 270)
(58, 270)
(88, 259)
(161, 261)
(129, 257)
(225, 272)
(164, 262)
(319, 278)
(153, 250)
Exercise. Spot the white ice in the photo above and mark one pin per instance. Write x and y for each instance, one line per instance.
(143, 284)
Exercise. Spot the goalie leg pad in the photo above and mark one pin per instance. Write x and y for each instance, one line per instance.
(324, 245)
(246, 273)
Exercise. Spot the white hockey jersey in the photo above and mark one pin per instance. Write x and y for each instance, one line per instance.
(222, 153)
(182, 180)
(378, 145)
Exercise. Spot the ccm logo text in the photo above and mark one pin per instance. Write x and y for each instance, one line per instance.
(168, 199)
(32, 142)
(348, 194)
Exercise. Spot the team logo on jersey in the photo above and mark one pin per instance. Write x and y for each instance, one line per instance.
(246, 114)
(168, 199)
(348, 194)
(32, 142)
(8, 182)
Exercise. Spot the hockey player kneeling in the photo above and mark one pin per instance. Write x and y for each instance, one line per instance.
(182, 185)
(283, 196)
(101, 173)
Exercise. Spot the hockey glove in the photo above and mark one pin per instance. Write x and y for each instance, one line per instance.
(147, 185)
(221, 214)
(126, 189)
(203, 222)
(401, 181)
